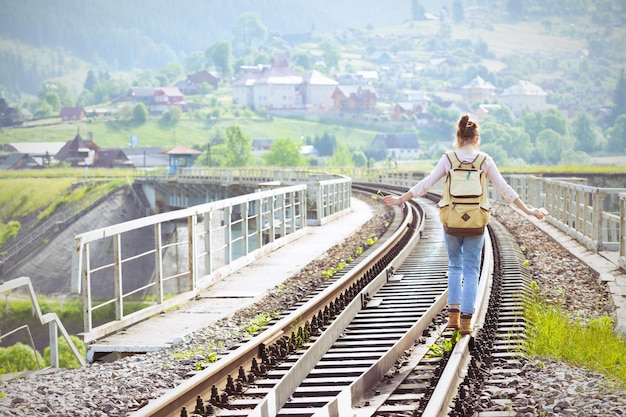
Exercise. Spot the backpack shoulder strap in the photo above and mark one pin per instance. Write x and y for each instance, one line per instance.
(454, 160)
(480, 159)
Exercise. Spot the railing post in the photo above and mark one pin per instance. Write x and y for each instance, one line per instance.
(228, 212)
(597, 216)
(622, 240)
(191, 239)
(283, 214)
(272, 218)
(117, 268)
(158, 263)
(53, 335)
(259, 223)
(245, 208)
(208, 245)
(86, 288)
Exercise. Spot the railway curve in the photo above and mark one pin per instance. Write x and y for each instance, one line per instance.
(327, 356)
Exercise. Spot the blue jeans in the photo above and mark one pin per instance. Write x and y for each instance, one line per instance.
(463, 269)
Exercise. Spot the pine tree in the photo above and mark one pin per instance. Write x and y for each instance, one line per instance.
(417, 10)
(620, 96)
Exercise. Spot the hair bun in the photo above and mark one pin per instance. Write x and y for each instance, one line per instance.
(466, 129)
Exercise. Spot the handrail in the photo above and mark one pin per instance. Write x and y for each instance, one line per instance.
(593, 216)
(590, 215)
(51, 319)
(188, 250)
(622, 240)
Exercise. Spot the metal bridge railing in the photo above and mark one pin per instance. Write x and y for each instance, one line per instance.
(593, 216)
(590, 215)
(196, 246)
(190, 249)
(51, 319)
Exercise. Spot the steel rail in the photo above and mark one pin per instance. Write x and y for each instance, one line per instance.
(349, 400)
(361, 281)
(454, 372)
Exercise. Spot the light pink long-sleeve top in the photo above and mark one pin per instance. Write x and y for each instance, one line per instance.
(466, 154)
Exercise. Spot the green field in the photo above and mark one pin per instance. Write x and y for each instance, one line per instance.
(190, 132)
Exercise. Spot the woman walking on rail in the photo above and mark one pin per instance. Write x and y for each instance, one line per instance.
(464, 234)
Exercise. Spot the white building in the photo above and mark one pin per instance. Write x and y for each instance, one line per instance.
(279, 87)
(524, 95)
(398, 145)
(318, 91)
(478, 90)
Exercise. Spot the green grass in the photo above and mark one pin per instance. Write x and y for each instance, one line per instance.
(593, 344)
(192, 131)
(570, 170)
(22, 196)
(42, 192)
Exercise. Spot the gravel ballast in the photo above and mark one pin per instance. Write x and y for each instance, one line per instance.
(548, 387)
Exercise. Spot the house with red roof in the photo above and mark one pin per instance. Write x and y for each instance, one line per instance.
(72, 114)
(181, 157)
(157, 99)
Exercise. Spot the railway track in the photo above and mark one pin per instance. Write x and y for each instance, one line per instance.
(371, 342)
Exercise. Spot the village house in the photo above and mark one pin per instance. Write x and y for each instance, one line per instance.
(279, 87)
(414, 103)
(478, 90)
(9, 116)
(380, 57)
(17, 160)
(398, 145)
(261, 145)
(157, 99)
(524, 95)
(354, 98)
(72, 114)
(318, 91)
(192, 85)
(43, 153)
(79, 152)
(275, 87)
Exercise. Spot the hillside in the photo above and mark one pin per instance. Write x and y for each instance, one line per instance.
(49, 266)
(575, 57)
(46, 40)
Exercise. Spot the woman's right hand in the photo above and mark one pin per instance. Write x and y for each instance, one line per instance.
(391, 200)
(540, 213)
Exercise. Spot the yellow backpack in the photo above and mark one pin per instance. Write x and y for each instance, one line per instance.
(464, 207)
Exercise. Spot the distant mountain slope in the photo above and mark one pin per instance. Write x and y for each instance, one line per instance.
(150, 33)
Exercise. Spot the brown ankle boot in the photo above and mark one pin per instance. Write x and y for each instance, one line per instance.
(466, 323)
(454, 317)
